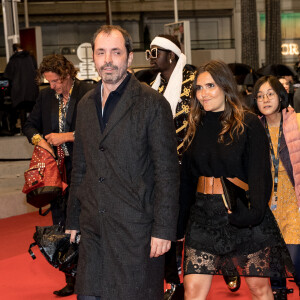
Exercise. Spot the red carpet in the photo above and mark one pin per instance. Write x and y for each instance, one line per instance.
(22, 278)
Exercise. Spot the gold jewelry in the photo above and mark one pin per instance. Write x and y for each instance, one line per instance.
(36, 139)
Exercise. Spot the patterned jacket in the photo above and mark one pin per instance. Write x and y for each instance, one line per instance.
(183, 106)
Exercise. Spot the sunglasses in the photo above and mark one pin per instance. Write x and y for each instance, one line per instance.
(153, 53)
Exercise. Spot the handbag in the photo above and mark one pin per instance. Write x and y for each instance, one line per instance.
(44, 178)
(234, 190)
(55, 246)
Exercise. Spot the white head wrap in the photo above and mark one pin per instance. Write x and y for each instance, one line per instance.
(173, 90)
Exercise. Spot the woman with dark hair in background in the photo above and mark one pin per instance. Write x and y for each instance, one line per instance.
(225, 140)
(289, 87)
(280, 122)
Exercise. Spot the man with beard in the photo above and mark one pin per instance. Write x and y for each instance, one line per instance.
(124, 189)
(174, 81)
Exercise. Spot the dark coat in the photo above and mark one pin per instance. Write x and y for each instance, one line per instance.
(44, 116)
(21, 71)
(124, 190)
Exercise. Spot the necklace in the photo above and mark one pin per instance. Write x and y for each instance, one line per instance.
(275, 161)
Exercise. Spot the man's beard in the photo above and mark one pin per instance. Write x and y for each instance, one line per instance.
(115, 76)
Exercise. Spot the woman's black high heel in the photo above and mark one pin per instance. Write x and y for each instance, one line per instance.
(232, 282)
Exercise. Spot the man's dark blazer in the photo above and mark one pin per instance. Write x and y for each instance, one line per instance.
(44, 116)
(44, 120)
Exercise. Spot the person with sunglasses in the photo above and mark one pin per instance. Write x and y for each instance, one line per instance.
(174, 80)
(175, 77)
(280, 122)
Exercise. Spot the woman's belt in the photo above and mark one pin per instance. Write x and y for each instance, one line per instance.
(212, 185)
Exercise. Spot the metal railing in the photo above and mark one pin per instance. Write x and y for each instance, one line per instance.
(213, 44)
(195, 45)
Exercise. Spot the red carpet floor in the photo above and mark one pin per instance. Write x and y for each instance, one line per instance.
(22, 278)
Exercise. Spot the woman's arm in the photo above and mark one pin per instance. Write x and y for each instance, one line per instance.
(259, 176)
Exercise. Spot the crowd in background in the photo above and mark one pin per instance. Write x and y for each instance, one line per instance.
(121, 168)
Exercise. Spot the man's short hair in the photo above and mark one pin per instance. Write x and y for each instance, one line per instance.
(108, 29)
(58, 64)
(16, 47)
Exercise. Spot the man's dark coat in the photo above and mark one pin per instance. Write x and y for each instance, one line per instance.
(124, 190)
(21, 71)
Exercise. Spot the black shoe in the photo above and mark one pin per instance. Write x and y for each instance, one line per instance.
(232, 282)
(280, 294)
(68, 290)
(176, 292)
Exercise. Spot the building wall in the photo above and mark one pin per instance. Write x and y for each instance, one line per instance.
(198, 57)
(209, 29)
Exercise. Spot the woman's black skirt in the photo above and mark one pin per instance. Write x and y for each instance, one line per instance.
(214, 246)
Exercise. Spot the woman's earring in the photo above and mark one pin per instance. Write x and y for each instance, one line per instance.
(170, 60)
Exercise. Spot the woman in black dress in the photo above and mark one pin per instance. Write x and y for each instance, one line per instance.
(225, 140)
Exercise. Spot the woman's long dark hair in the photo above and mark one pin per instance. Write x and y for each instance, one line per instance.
(233, 116)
